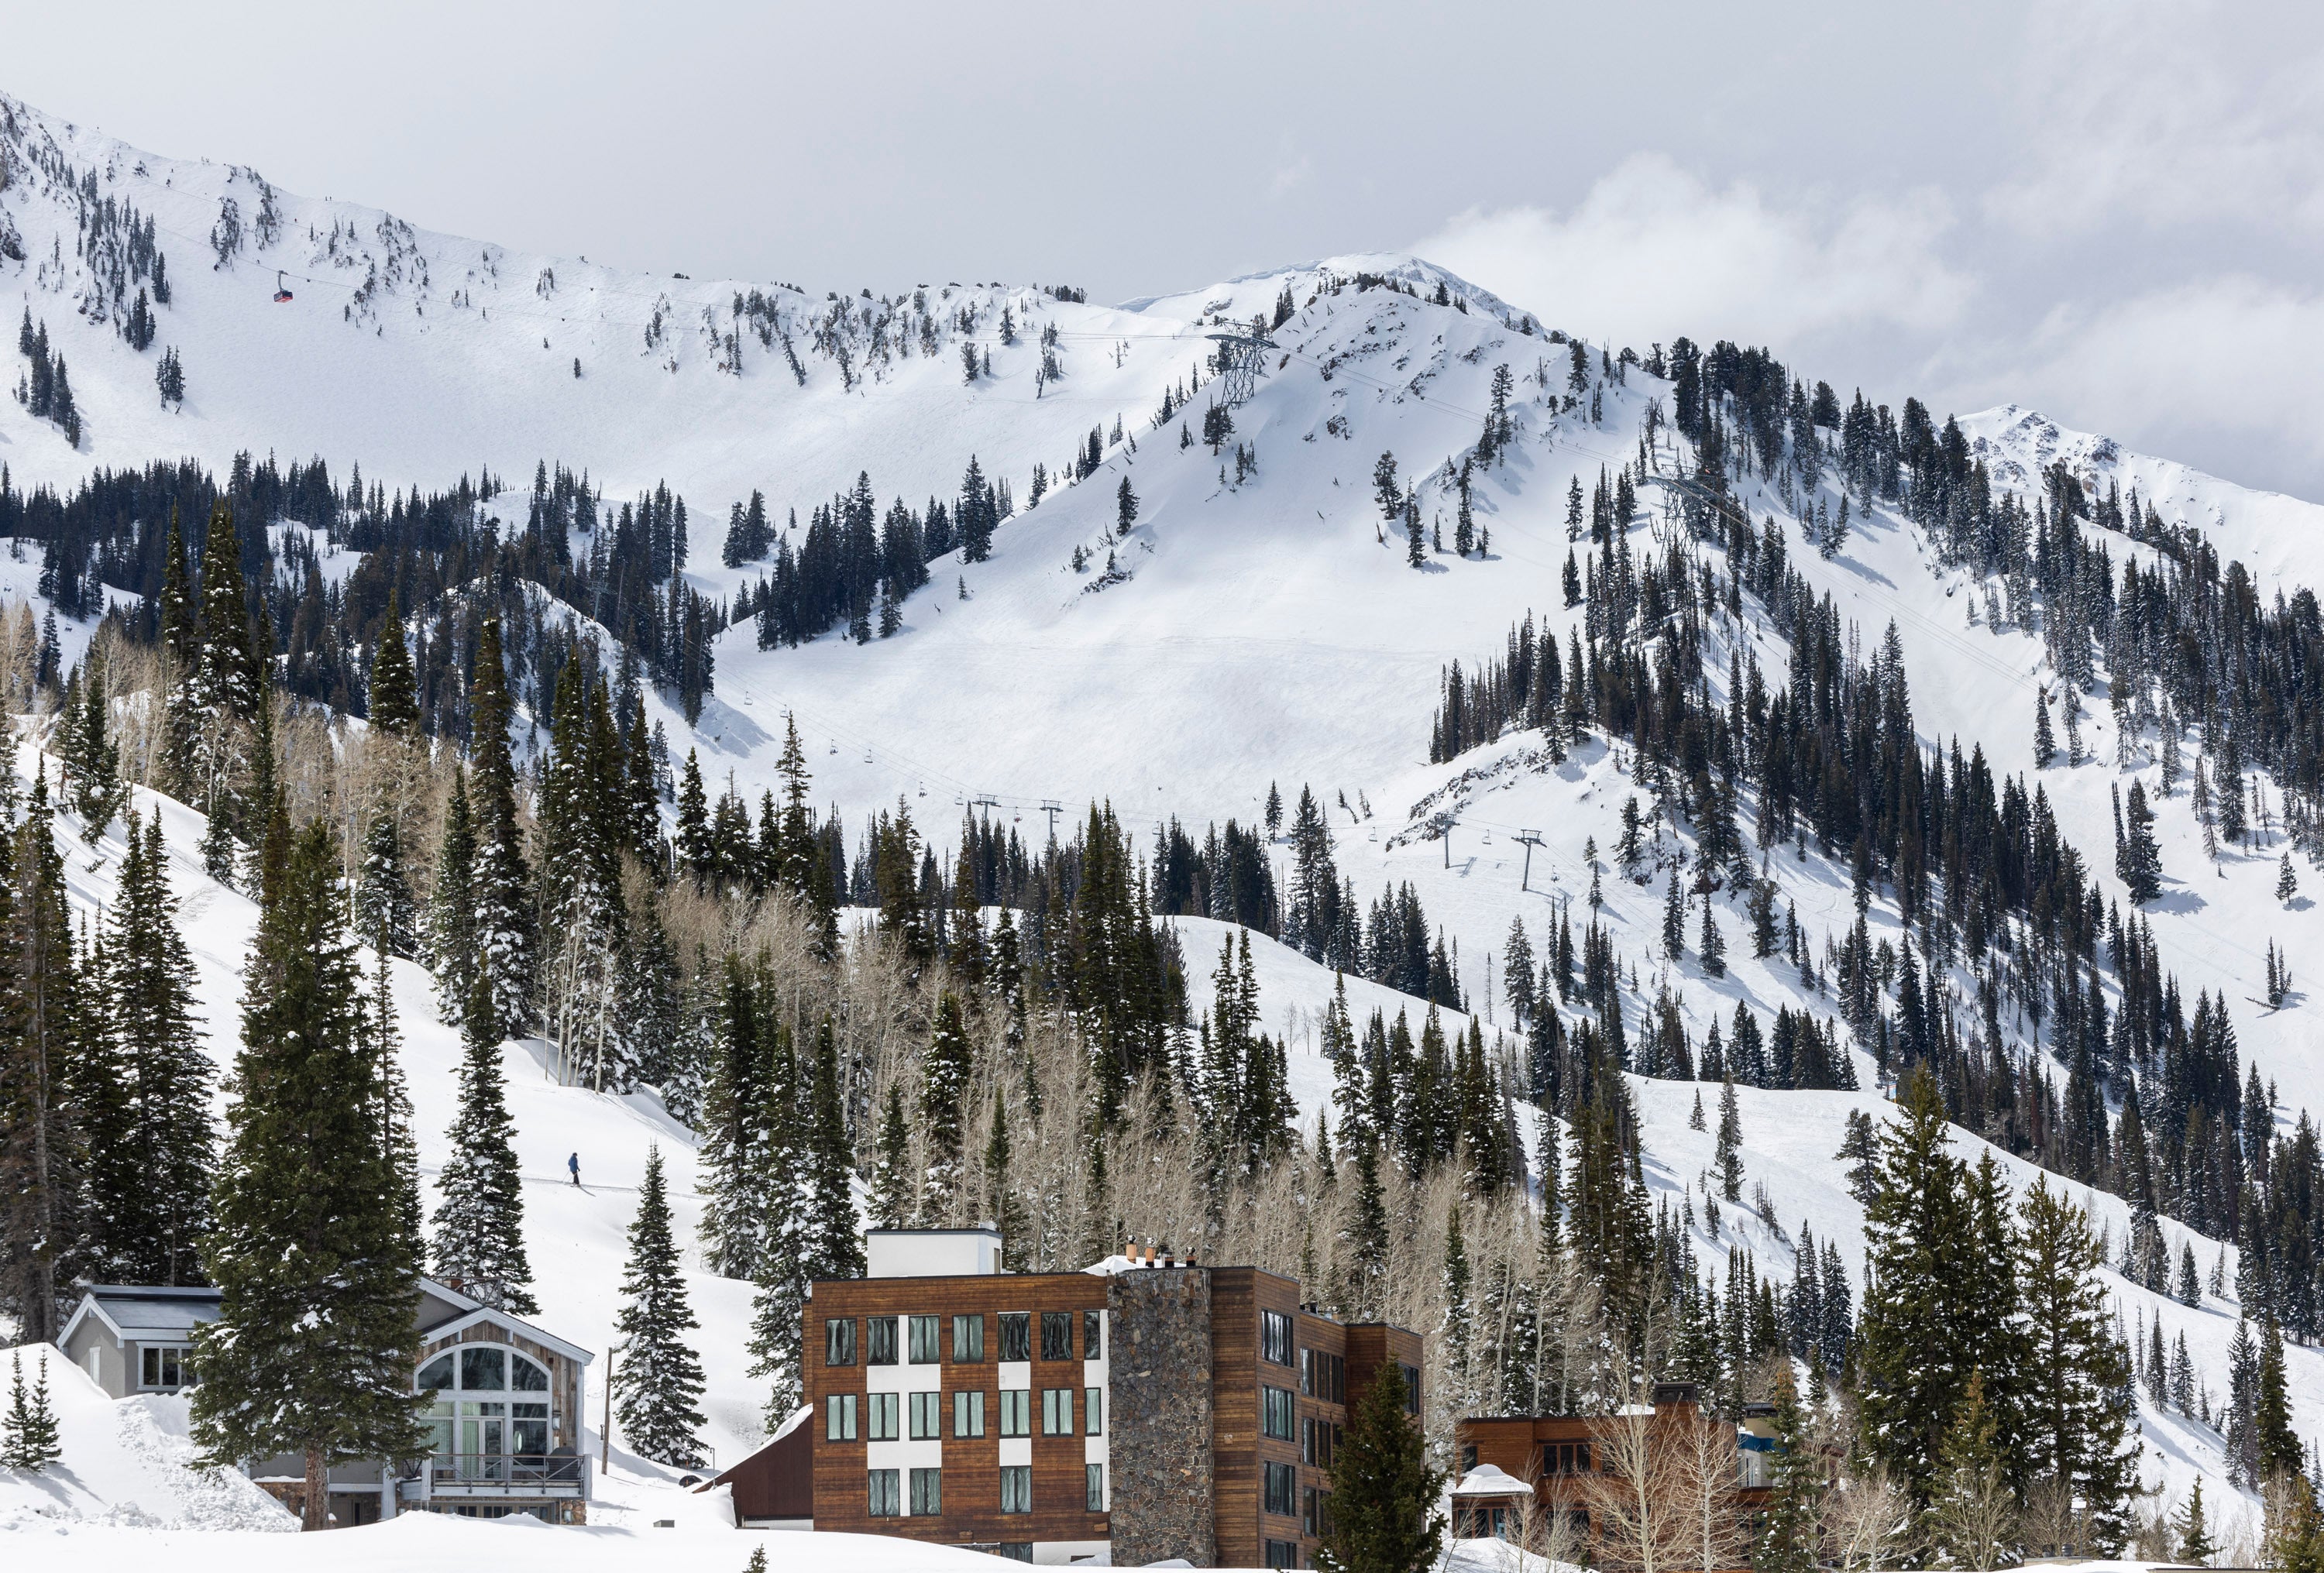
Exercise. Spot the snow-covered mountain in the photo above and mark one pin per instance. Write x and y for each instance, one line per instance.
(1253, 627)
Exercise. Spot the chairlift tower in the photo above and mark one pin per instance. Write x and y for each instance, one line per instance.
(1243, 356)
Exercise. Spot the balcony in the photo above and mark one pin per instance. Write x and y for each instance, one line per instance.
(494, 1475)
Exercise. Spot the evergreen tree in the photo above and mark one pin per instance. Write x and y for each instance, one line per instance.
(1919, 1228)
(1384, 1494)
(1789, 1530)
(2045, 742)
(1728, 1161)
(393, 702)
(452, 912)
(1674, 920)
(660, 1379)
(42, 1228)
(479, 1245)
(893, 1186)
(151, 1188)
(2287, 883)
(384, 912)
(2196, 1546)
(2076, 1388)
(943, 1090)
(313, 1349)
(1125, 508)
(28, 1428)
(503, 892)
(2140, 862)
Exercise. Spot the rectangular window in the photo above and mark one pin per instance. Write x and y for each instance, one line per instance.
(1093, 1335)
(879, 1340)
(923, 1331)
(1411, 1389)
(1309, 1514)
(1056, 1411)
(1315, 1440)
(1275, 1413)
(1308, 1359)
(1014, 1551)
(1096, 1488)
(927, 1416)
(1338, 1376)
(1016, 1487)
(883, 1504)
(968, 1340)
(1016, 1335)
(1274, 1338)
(839, 1341)
(968, 1414)
(882, 1420)
(839, 1417)
(1016, 1411)
(1281, 1483)
(1056, 1334)
(928, 1492)
(1092, 1412)
(170, 1367)
(1282, 1554)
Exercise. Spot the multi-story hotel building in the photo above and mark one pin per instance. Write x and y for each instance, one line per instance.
(1146, 1408)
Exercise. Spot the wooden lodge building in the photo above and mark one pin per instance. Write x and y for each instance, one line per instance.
(1516, 1470)
(1144, 1408)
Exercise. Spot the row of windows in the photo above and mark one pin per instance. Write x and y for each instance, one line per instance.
(1323, 1377)
(887, 1488)
(922, 1336)
(925, 1412)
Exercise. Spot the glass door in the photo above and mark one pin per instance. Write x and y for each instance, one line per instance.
(484, 1442)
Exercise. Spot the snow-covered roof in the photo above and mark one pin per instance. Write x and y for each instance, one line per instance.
(469, 1312)
(1491, 1480)
(145, 1313)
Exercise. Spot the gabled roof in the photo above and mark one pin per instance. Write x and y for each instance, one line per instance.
(144, 1312)
(155, 1313)
(469, 1312)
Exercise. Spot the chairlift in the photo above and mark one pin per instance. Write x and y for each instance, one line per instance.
(867, 756)
(1489, 837)
(282, 291)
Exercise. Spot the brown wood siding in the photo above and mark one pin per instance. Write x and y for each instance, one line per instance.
(1238, 1295)
(971, 1479)
(777, 1481)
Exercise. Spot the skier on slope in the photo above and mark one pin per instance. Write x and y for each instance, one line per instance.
(573, 1165)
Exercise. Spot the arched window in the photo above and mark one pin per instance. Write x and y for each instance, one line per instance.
(490, 1419)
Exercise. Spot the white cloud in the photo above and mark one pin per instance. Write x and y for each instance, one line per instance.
(2165, 114)
(2219, 372)
(1653, 252)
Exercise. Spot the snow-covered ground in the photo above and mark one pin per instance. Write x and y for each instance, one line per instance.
(1265, 631)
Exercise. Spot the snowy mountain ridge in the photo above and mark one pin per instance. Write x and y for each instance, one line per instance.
(1251, 626)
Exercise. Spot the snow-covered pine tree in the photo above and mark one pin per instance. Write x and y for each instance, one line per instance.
(945, 1073)
(452, 912)
(384, 912)
(313, 1349)
(2141, 864)
(2287, 883)
(579, 828)
(786, 1264)
(502, 887)
(1729, 1158)
(749, 1081)
(152, 1195)
(392, 699)
(659, 1380)
(892, 1189)
(479, 1240)
(2045, 742)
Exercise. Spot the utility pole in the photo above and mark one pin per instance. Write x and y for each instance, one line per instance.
(605, 1425)
(1530, 839)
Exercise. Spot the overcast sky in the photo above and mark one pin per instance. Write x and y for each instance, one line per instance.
(2114, 212)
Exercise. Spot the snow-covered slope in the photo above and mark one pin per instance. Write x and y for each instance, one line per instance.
(1253, 630)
